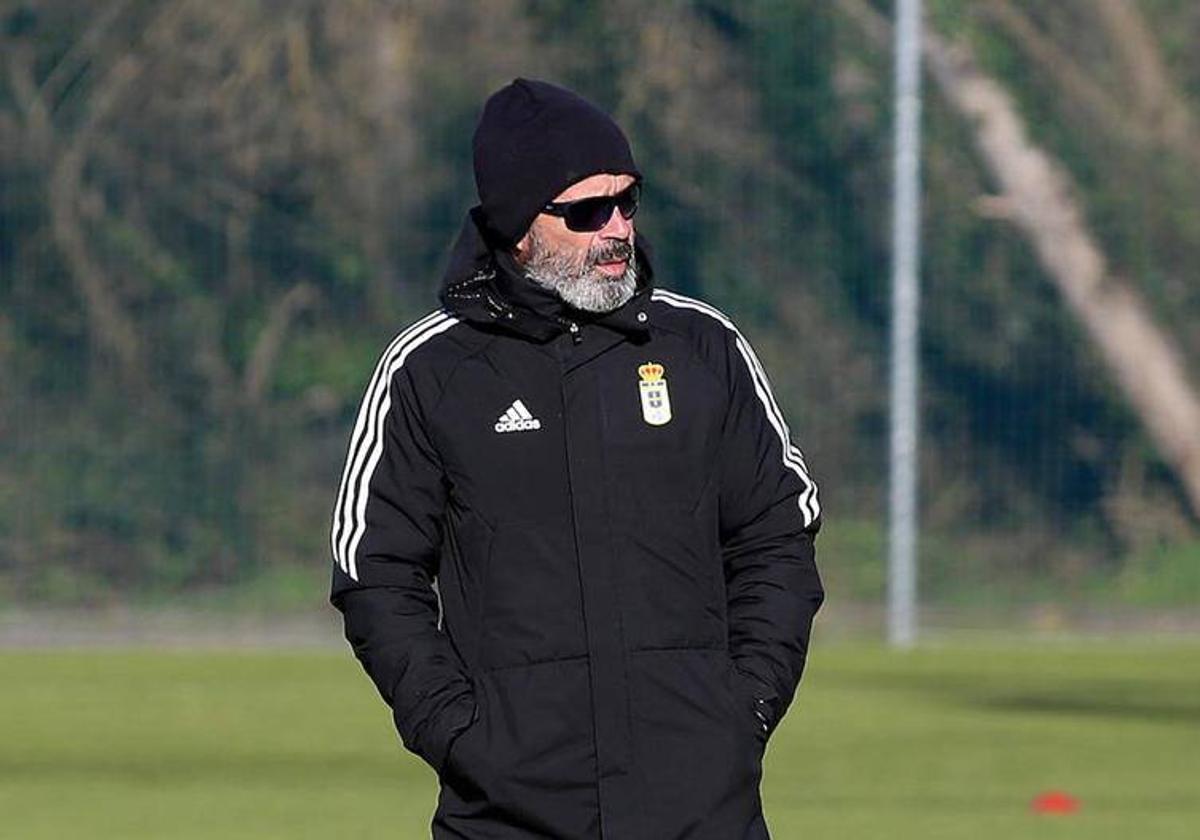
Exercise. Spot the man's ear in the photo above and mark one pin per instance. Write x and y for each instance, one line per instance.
(521, 249)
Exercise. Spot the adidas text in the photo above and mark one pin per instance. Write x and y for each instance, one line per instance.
(517, 425)
(517, 419)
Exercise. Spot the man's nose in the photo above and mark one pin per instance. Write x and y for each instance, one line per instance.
(617, 226)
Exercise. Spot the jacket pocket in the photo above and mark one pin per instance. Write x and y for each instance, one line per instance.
(529, 759)
(463, 767)
(754, 713)
(693, 743)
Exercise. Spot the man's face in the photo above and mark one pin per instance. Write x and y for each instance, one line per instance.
(592, 270)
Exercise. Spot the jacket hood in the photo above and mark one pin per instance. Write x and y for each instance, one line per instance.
(483, 284)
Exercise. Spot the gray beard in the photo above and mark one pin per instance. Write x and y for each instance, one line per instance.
(580, 284)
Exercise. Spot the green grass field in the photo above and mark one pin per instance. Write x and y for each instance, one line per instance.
(950, 742)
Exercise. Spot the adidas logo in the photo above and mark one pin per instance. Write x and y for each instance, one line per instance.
(517, 419)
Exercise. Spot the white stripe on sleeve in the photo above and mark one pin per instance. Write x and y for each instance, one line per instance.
(366, 442)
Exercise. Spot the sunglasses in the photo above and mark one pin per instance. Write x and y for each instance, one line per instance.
(591, 214)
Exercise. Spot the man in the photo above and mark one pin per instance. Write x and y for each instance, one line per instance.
(598, 479)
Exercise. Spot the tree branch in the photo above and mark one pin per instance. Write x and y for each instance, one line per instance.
(1162, 105)
(1142, 359)
(112, 328)
(1060, 66)
(271, 339)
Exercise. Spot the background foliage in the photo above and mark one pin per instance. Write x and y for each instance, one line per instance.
(214, 215)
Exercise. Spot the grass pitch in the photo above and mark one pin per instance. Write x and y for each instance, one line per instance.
(949, 742)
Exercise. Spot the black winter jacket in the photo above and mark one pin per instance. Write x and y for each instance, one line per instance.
(575, 555)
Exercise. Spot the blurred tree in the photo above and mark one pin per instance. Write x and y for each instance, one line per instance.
(213, 215)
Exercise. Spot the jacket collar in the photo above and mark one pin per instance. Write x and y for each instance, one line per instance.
(483, 284)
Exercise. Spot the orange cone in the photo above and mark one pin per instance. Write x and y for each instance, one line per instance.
(1054, 802)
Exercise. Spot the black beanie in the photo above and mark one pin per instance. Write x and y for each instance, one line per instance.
(533, 141)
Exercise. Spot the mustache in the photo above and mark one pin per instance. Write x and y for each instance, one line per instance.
(611, 251)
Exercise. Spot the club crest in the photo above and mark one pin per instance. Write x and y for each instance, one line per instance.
(656, 400)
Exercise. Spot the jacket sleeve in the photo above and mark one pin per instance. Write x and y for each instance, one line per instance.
(769, 517)
(386, 539)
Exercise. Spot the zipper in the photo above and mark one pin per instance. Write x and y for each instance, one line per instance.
(497, 308)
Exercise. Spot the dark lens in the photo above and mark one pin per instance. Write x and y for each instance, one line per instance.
(589, 214)
(627, 200)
